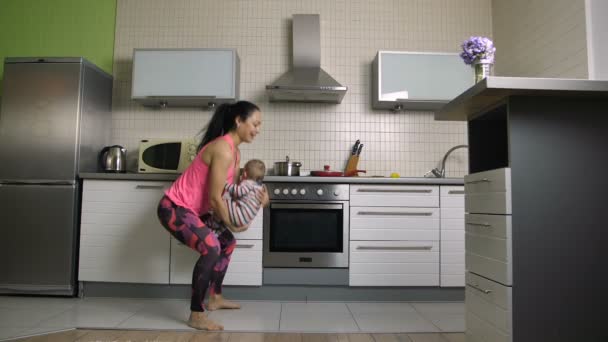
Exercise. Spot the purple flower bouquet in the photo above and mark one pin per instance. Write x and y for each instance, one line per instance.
(478, 50)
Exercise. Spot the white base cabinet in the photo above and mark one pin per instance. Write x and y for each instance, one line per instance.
(394, 235)
(121, 239)
(394, 263)
(452, 236)
(245, 266)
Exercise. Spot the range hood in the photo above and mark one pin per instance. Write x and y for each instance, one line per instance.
(306, 81)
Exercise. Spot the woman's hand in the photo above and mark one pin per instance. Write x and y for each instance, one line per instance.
(262, 196)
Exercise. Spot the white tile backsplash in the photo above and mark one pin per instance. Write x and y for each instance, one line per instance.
(352, 32)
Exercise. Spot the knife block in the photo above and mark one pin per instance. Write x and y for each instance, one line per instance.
(351, 165)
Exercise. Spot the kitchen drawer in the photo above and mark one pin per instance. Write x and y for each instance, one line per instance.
(392, 223)
(394, 263)
(123, 191)
(490, 300)
(451, 196)
(478, 330)
(245, 266)
(394, 195)
(488, 192)
(488, 246)
(255, 230)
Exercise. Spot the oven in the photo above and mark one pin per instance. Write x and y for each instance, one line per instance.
(306, 225)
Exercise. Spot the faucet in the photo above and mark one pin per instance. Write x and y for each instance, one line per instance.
(440, 173)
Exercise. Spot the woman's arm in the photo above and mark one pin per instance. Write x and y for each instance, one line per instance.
(220, 162)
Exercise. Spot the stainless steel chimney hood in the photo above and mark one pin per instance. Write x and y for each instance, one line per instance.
(306, 81)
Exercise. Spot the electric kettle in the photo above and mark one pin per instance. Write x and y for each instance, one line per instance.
(113, 159)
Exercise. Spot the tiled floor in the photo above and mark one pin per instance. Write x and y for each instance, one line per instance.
(21, 316)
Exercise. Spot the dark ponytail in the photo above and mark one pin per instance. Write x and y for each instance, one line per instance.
(224, 119)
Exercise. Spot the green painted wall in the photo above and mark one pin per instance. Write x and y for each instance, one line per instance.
(53, 28)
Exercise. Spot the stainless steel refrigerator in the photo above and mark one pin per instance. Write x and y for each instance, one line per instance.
(54, 118)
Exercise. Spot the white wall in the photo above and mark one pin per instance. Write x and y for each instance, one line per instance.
(351, 33)
(540, 38)
(597, 38)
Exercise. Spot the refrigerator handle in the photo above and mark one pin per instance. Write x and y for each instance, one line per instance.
(36, 182)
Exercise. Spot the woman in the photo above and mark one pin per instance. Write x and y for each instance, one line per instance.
(199, 190)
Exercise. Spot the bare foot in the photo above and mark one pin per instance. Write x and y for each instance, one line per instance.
(199, 320)
(217, 302)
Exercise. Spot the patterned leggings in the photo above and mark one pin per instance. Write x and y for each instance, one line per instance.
(215, 251)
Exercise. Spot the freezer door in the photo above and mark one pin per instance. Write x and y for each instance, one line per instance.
(38, 229)
(39, 121)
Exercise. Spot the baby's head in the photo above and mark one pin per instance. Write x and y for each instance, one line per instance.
(254, 169)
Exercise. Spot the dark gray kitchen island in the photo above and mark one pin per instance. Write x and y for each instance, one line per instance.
(537, 208)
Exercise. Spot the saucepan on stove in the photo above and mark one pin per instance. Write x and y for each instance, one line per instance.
(287, 168)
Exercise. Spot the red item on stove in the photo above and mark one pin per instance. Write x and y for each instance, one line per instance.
(327, 173)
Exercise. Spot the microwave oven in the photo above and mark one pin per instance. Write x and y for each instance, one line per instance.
(166, 155)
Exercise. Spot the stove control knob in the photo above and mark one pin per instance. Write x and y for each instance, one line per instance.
(336, 192)
(294, 191)
(285, 191)
(277, 191)
(320, 192)
(302, 192)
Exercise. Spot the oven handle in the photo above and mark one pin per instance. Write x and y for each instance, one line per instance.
(395, 248)
(393, 213)
(237, 245)
(413, 191)
(306, 206)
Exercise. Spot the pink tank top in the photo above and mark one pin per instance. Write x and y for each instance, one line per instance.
(191, 189)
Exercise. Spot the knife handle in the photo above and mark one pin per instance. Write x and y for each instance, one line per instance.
(355, 147)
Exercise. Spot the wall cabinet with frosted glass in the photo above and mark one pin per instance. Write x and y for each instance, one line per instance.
(185, 77)
(418, 80)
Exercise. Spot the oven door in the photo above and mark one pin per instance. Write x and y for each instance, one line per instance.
(306, 234)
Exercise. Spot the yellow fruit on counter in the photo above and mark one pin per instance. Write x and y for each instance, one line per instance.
(395, 175)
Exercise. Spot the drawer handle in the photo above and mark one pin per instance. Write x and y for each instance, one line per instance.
(456, 192)
(392, 213)
(244, 246)
(148, 187)
(483, 180)
(413, 191)
(480, 289)
(485, 225)
(395, 248)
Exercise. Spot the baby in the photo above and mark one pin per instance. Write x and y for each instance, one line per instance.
(241, 199)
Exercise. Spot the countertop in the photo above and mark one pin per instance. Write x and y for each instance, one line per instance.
(493, 90)
(129, 176)
(279, 179)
